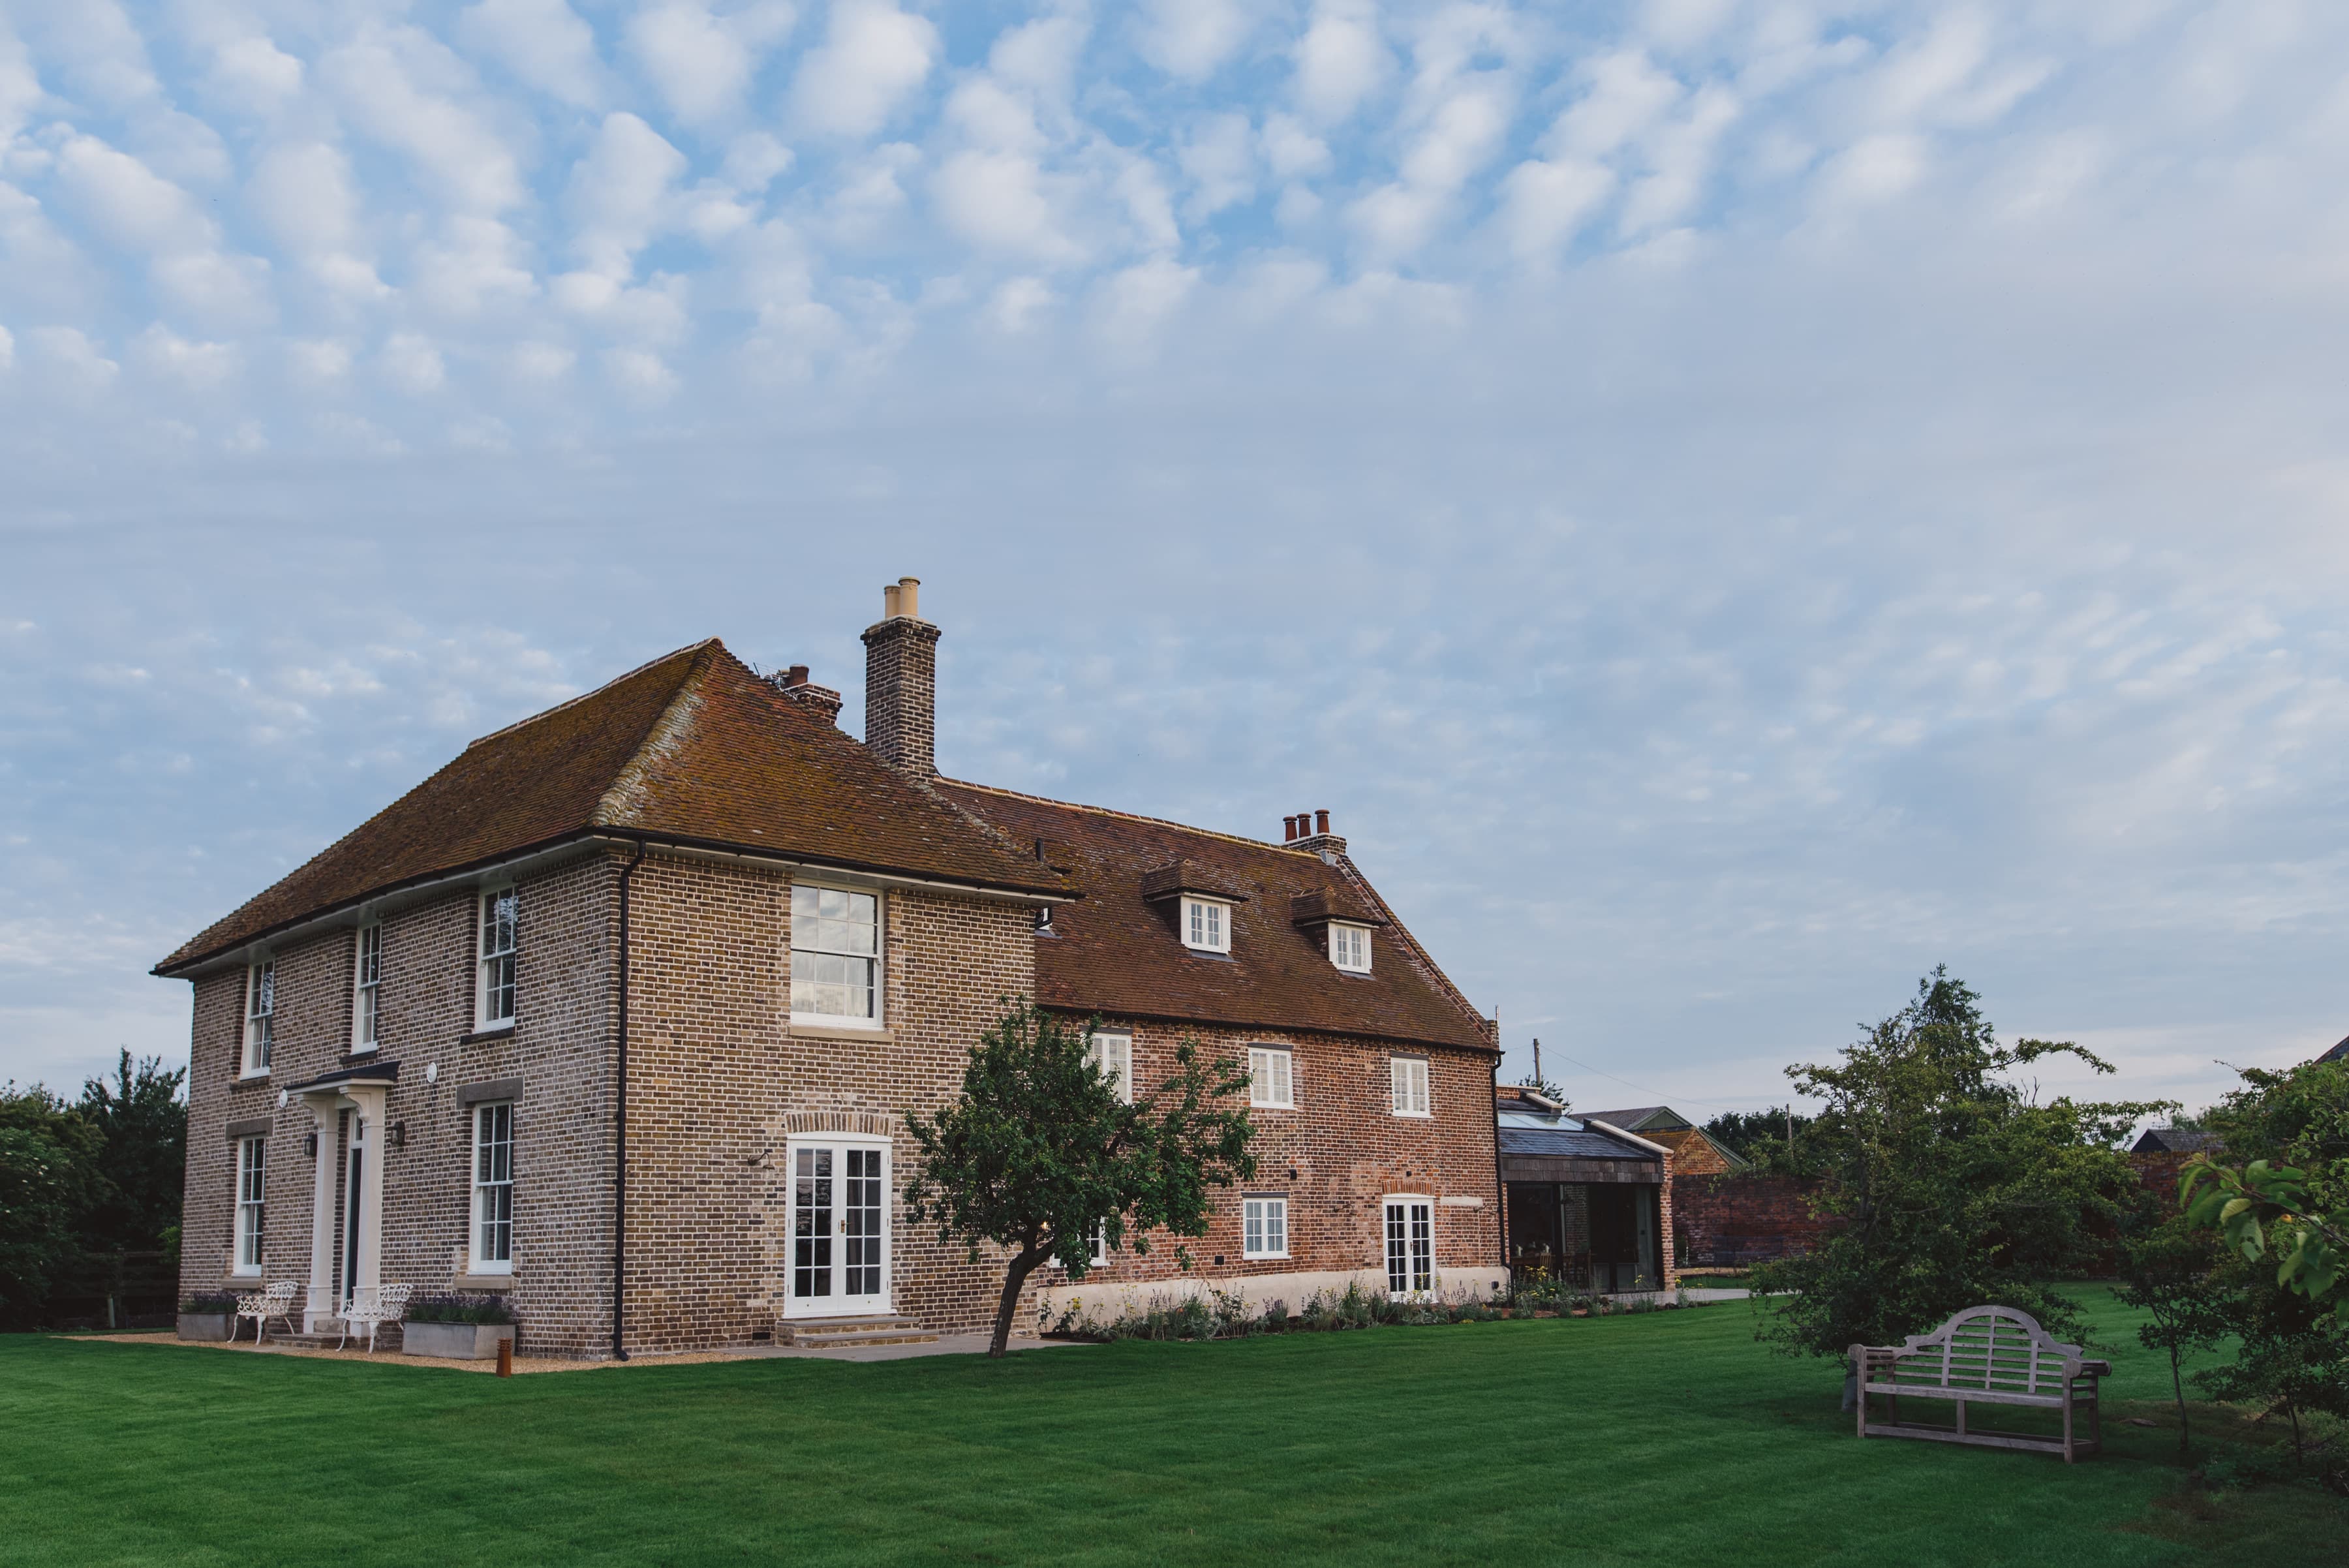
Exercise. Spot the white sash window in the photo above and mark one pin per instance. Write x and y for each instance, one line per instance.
(836, 956)
(1349, 948)
(501, 958)
(1270, 1082)
(493, 1187)
(367, 998)
(260, 1015)
(1111, 1055)
(1407, 1078)
(1206, 924)
(1264, 1228)
(251, 1180)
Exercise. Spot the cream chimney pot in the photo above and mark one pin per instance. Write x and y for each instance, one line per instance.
(889, 601)
(909, 597)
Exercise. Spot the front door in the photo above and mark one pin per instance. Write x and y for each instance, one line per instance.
(353, 1187)
(839, 1260)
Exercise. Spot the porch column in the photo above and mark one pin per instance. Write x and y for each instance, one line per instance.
(369, 1098)
(319, 1307)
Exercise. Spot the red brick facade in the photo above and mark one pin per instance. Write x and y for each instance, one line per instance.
(1730, 1221)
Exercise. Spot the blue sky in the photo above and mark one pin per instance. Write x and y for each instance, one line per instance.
(1729, 502)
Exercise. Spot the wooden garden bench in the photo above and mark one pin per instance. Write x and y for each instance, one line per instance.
(1983, 1355)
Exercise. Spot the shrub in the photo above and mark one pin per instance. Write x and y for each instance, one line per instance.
(1222, 1314)
(459, 1307)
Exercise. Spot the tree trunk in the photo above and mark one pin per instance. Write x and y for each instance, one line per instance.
(2178, 1385)
(1016, 1274)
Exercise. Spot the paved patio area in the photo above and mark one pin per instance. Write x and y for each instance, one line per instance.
(945, 1345)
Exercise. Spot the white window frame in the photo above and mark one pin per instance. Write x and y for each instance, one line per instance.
(492, 1189)
(1408, 1088)
(1272, 1078)
(1264, 1226)
(879, 956)
(496, 970)
(260, 1017)
(367, 988)
(1390, 1254)
(1206, 924)
(1348, 944)
(252, 1204)
(1111, 1051)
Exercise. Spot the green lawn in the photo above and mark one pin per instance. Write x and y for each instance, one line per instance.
(1636, 1439)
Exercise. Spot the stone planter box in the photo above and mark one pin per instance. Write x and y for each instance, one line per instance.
(454, 1341)
(214, 1326)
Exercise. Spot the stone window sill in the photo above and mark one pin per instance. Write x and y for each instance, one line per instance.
(482, 1283)
(833, 1032)
(484, 1036)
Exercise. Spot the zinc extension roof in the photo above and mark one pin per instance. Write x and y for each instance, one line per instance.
(694, 747)
(1118, 951)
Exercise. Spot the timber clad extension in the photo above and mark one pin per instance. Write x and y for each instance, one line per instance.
(692, 815)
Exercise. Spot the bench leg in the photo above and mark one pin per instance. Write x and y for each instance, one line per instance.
(1962, 1417)
(2067, 1427)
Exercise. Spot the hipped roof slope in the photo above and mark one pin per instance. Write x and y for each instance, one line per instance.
(1119, 952)
(693, 747)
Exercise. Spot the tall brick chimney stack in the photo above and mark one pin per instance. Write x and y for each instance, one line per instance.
(900, 683)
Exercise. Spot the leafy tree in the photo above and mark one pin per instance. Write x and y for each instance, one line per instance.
(49, 1158)
(1545, 1088)
(2283, 1216)
(1040, 1153)
(144, 1124)
(2167, 1271)
(1948, 1185)
(1761, 1137)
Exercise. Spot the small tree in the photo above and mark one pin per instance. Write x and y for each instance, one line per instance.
(1948, 1185)
(2166, 1272)
(1042, 1153)
(144, 1123)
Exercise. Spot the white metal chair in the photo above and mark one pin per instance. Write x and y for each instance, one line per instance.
(373, 1306)
(276, 1302)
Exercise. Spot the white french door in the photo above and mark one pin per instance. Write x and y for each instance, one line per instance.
(1411, 1246)
(838, 1261)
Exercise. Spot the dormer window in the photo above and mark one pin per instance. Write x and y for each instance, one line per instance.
(1206, 924)
(1349, 948)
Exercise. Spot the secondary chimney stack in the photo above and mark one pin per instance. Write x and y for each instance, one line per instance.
(901, 683)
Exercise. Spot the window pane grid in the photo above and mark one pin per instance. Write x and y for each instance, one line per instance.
(1409, 1085)
(251, 1173)
(1111, 1055)
(1411, 1246)
(370, 984)
(501, 949)
(835, 953)
(493, 1184)
(1265, 1222)
(261, 1015)
(1269, 1083)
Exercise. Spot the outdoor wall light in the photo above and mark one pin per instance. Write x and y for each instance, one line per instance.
(399, 1134)
(310, 1144)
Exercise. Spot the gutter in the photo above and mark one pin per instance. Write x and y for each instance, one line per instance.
(1500, 1187)
(620, 1135)
(399, 893)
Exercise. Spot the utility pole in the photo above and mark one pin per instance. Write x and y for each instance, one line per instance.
(1538, 1075)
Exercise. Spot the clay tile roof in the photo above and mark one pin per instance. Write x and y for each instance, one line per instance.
(1190, 877)
(1324, 904)
(693, 747)
(1118, 954)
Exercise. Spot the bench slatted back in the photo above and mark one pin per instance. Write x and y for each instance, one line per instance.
(1996, 1349)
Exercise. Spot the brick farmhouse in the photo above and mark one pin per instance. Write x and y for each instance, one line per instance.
(620, 1012)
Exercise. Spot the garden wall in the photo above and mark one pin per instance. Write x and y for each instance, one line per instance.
(1729, 1222)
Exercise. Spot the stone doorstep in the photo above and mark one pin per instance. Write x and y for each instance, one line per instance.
(841, 1333)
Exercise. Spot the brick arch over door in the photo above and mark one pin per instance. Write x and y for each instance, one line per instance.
(870, 1124)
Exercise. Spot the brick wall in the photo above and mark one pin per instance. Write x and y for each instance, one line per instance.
(1729, 1221)
(557, 1048)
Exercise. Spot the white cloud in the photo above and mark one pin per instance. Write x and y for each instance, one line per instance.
(872, 58)
(619, 194)
(1002, 201)
(413, 363)
(252, 72)
(1680, 155)
(641, 374)
(1136, 304)
(1218, 159)
(700, 62)
(1190, 39)
(1016, 305)
(302, 193)
(403, 88)
(197, 366)
(20, 88)
(472, 263)
(753, 160)
(1340, 61)
(540, 363)
(1292, 151)
(1625, 94)
(318, 361)
(1875, 169)
(544, 42)
(129, 203)
(70, 361)
(7, 349)
(1545, 201)
(1460, 137)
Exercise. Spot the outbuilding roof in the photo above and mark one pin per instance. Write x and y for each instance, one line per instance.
(693, 748)
(1120, 951)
